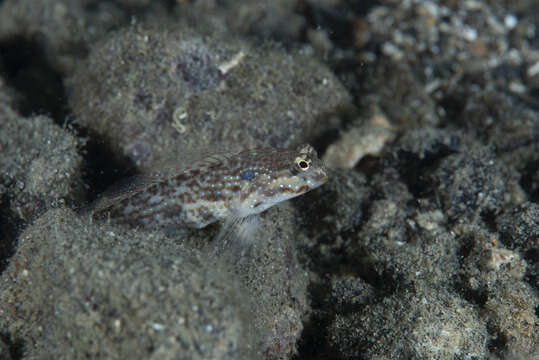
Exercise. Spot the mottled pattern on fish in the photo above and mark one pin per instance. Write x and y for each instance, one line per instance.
(223, 186)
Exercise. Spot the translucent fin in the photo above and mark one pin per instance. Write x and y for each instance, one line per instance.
(169, 165)
(172, 165)
(248, 229)
(240, 230)
(118, 192)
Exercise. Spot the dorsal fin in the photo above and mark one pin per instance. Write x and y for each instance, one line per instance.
(172, 165)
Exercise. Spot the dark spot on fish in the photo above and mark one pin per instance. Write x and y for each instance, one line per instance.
(153, 190)
(172, 211)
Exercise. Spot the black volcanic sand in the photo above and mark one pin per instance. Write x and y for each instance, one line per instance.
(423, 247)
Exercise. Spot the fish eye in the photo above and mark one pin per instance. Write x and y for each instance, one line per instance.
(303, 164)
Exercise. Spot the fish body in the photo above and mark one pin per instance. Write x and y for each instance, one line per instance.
(219, 187)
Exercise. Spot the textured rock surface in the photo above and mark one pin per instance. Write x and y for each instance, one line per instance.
(40, 165)
(425, 246)
(92, 292)
(156, 93)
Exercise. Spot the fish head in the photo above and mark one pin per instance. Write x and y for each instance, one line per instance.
(282, 175)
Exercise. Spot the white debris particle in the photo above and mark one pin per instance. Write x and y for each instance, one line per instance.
(157, 327)
(533, 70)
(225, 67)
(517, 87)
(498, 257)
(392, 51)
(367, 139)
(469, 33)
(510, 21)
(177, 117)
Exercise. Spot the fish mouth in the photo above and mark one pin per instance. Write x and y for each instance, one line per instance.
(319, 180)
(322, 177)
